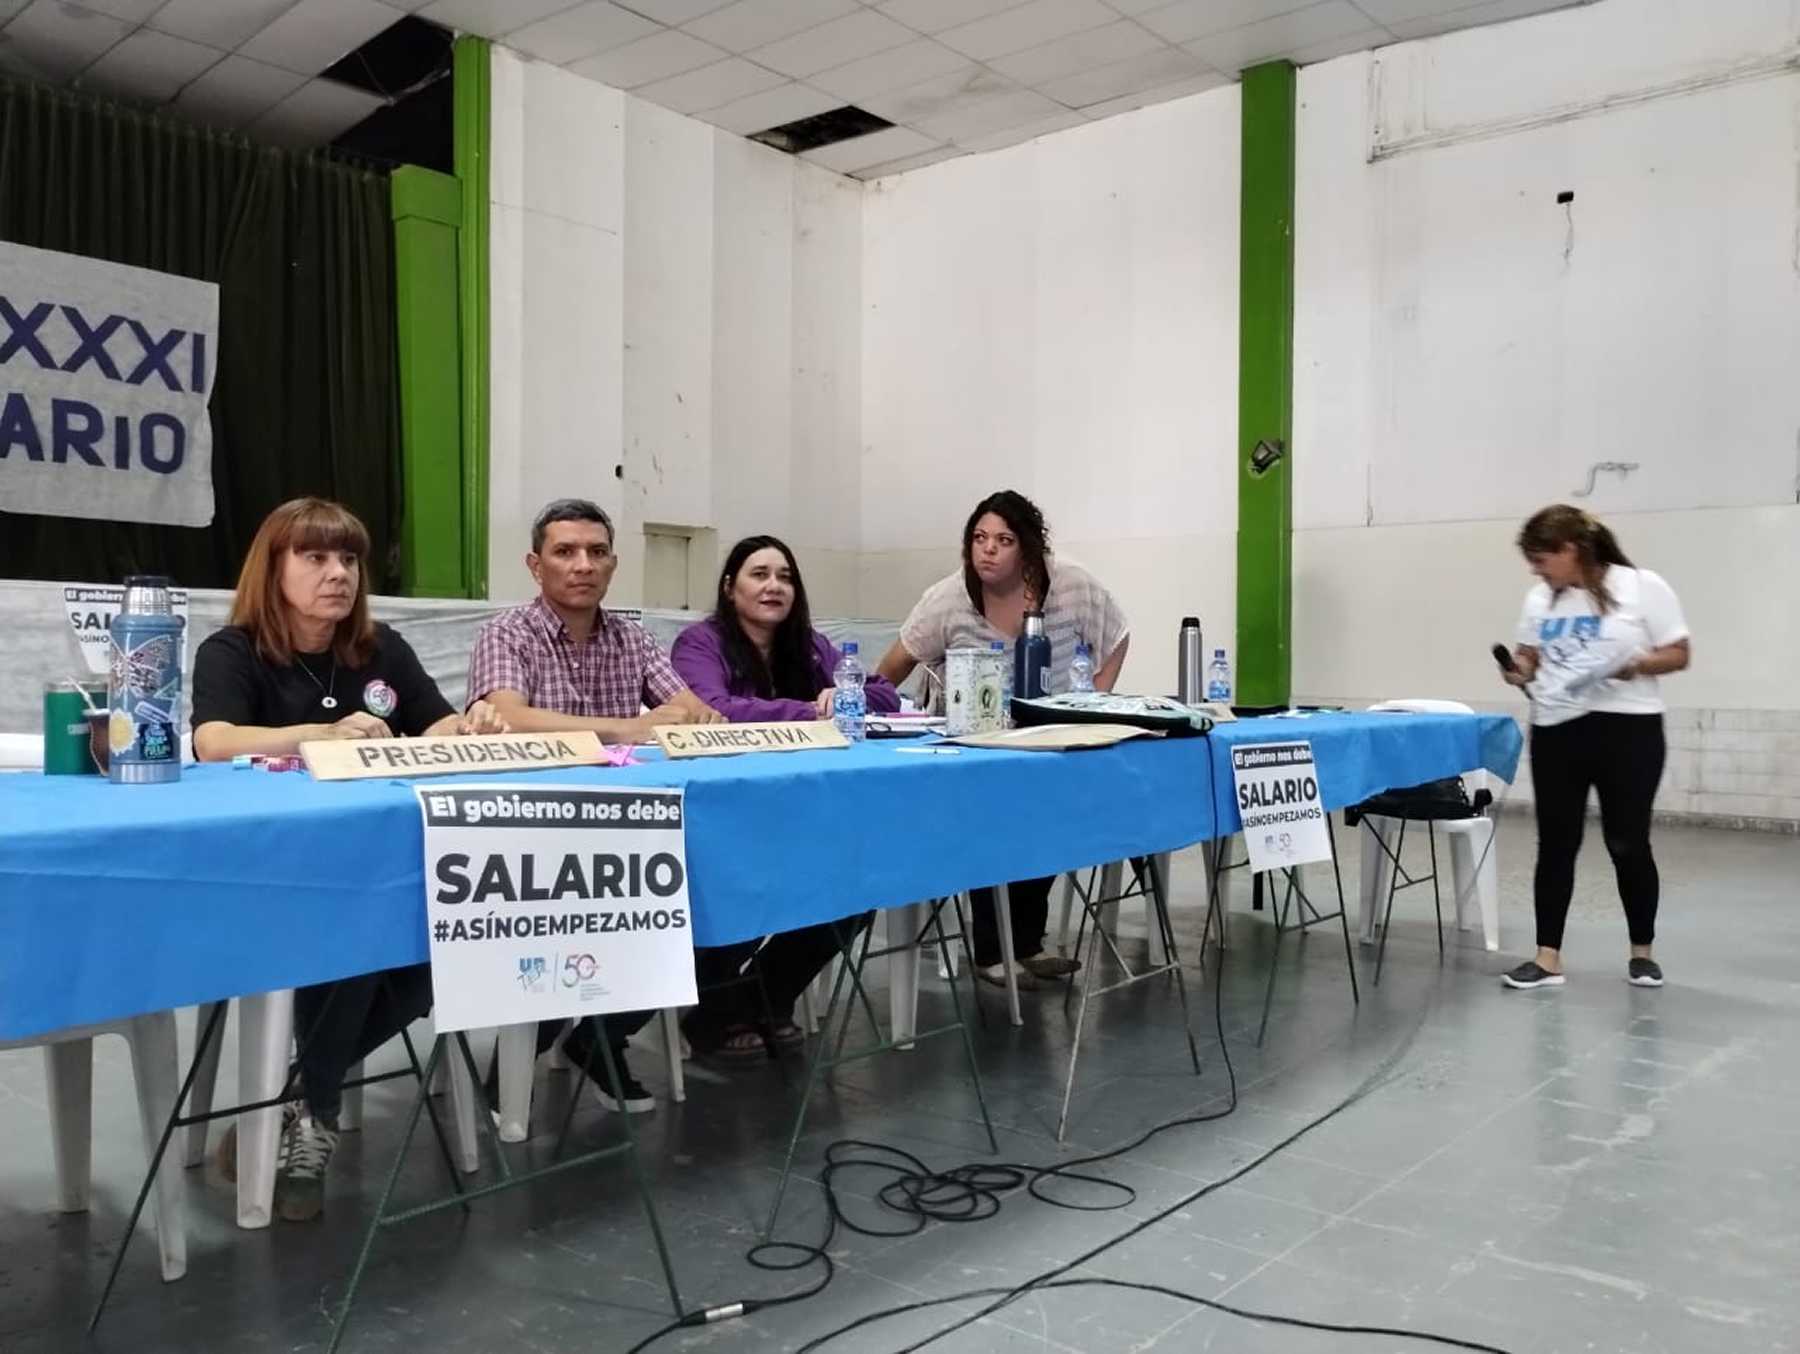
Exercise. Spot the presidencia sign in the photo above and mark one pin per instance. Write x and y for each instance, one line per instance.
(105, 374)
(549, 901)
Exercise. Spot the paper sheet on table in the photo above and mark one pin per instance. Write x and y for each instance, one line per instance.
(1054, 737)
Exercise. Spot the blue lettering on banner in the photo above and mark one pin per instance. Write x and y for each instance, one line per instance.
(93, 339)
(76, 428)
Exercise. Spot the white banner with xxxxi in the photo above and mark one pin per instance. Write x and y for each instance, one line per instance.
(544, 902)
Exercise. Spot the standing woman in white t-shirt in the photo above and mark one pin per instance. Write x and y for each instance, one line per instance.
(1595, 635)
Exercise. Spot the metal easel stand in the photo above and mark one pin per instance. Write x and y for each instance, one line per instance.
(1399, 878)
(508, 1180)
(208, 1033)
(1147, 882)
(1307, 915)
(819, 1062)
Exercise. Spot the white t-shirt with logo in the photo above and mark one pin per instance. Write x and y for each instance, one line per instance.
(1580, 647)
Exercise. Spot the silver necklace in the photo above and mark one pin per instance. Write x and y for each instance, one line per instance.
(327, 700)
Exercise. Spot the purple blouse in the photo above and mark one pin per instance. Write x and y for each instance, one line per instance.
(699, 658)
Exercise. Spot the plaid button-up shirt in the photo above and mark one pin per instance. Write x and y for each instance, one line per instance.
(617, 672)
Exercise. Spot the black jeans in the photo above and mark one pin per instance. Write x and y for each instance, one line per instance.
(339, 1024)
(1030, 913)
(787, 963)
(1621, 758)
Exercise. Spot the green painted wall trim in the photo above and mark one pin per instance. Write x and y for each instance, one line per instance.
(426, 194)
(471, 75)
(427, 215)
(1266, 385)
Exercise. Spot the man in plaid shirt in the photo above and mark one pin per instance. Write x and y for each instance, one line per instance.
(561, 662)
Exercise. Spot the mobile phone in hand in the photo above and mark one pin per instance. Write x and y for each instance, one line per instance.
(1503, 656)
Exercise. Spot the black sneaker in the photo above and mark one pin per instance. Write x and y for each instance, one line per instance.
(1529, 975)
(1644, 973)
(636, 1097)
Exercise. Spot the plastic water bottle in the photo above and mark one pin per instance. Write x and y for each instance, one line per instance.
(1218, 679)
(849, 702)
(1081, 669)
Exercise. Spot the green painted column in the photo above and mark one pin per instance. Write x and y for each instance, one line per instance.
(1265, 386)
(470, 72)
(427, 212)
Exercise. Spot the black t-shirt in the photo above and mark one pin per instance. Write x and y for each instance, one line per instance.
(233, 683)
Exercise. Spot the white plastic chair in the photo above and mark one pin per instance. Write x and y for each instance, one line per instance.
(516, 1048)
(265, 1043)
(69, 1072)
(1474, 871)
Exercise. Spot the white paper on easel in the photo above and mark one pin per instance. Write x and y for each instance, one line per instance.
(546, 901)
(1278, 799)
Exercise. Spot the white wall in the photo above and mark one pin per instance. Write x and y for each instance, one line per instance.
(1466, 348)
(676, 301)
(1061, 318)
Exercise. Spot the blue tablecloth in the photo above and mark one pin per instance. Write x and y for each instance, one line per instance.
(119, 900)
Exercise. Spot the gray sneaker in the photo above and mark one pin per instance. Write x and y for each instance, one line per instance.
(306, 1152)
(1644, 973)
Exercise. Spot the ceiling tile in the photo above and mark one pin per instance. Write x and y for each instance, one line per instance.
(674, 11)
(835, 43)
(236, 91)
(1012, 136)
(1161, 67)
(900, 166)
(1077, 52)
(149, 66)
(1360, 41)
(876, 148)
(1181, 89)
(1133, 8)
(929, 98)
(720, 83)
(132, 11)
(657, 57)
(1243, 47)
(771, 108)
(893, 69)
(212, 24)
(491, 18)
(594, 26)
(54, 41)
(1189, 19)
(1400, 11)
(990, 115)
(934, 16)
(756, 23)
(315, 33)
(1498, 12)
(1029, 25)
(314, 114)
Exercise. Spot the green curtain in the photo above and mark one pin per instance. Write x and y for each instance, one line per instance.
(306, 394)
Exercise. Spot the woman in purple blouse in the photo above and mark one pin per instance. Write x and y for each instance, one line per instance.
(758, 659)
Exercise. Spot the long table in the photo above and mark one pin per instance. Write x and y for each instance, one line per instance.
(116, 901)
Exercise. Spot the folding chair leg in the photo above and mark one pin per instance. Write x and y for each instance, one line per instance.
(671, 1037)
(1437, 893)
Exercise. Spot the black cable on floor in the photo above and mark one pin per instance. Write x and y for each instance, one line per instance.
(973, 1192)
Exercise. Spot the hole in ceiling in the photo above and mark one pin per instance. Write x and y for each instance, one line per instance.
(821, 129)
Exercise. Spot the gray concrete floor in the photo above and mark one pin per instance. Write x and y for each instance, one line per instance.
(1600, 1168)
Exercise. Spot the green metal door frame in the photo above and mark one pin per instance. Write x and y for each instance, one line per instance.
(472, 62)
(1266, 386)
